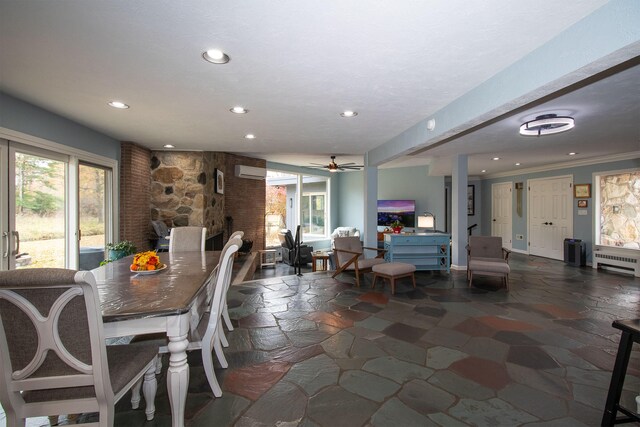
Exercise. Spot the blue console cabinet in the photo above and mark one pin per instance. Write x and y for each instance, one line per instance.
(427, 251)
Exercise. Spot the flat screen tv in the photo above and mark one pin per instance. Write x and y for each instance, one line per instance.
(401, 210)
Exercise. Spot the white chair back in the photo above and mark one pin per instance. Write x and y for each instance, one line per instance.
(187, 239)
(53, 356)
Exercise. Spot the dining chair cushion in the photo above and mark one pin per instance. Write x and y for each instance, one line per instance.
(489, 265)
(364, 263)
(124, 362)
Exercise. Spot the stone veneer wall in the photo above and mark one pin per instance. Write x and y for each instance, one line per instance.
(620, 210)
(245, 200)
(134, 195)
(182, 189)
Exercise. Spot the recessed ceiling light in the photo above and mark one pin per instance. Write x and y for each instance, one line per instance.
(496, 158)
(169, 146)
(239, 110)
(250, 136)
(484, 170)
(518, 164)
(571, 154)
(349, 113)
(118, 104)
(216, 56)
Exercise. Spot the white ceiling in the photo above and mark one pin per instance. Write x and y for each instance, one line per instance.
(295, 64)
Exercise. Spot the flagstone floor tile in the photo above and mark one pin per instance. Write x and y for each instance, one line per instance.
(312, 351)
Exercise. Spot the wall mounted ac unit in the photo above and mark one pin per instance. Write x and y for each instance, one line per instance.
(250, 172)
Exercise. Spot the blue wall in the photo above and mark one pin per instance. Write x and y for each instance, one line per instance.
(582, 224)
(411, 183)
(23, 117)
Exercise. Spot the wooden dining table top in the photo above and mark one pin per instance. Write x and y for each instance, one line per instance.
(127, 295)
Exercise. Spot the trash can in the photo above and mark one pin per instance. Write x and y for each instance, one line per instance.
(575, 252)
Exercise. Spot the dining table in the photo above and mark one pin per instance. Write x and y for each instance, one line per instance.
(170, 300)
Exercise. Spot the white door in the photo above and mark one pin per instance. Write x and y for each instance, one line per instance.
(501, 210)
(550, 215)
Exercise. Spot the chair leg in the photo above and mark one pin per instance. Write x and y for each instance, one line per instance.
(470, 278)
(207, 362)
(375, 277)
(393, 285)
(227, 319)
(223, 337)
(149, 389)
(617, 379)
(159, 365)
(357, 279)
(217, 345)
(135, 394)
(413, 278)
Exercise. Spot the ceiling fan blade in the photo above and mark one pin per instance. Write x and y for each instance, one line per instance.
(346, 164)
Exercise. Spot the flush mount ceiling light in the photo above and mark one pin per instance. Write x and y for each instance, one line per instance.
(169, 146)
(484, 170)
(239, 110)
(118, 104)
(571, 154)
(547, 124)
(250, 136)
(518, 164)
(349, 113)
(216, 56)
(496, 158)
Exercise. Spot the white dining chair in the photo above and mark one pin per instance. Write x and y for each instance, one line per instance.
(206, 336)
(225, 311)
(52, 349)
(185, 239)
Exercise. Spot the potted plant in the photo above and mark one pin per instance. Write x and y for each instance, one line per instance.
(120, 250)
(396, 226)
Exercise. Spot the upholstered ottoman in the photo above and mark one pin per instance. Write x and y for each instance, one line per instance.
(393, 271)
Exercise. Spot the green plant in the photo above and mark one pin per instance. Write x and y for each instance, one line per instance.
(396, 224)
(124, 246)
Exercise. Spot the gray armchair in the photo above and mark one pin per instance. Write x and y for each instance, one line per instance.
(487, 257)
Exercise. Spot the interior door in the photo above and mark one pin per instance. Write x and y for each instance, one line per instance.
(550, 216)
(501, 212)
(34, 213)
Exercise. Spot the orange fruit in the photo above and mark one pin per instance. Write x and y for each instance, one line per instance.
(151, 267)
(133, 267)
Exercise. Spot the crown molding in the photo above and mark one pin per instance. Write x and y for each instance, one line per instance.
(564, 165)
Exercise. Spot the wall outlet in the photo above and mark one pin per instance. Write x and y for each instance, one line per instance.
(519, 237)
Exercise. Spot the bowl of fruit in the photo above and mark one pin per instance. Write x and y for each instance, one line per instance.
(147, 263)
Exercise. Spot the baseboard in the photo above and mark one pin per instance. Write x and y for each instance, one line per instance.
(458, 267)
(520, 251)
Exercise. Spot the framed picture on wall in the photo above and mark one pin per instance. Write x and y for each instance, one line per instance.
(219, 182)
(471, 200)
(581, 191)
(583, 203)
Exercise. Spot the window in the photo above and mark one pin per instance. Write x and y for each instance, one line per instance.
(617, 201)
(287, 206)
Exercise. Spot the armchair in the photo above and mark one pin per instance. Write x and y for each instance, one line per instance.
(486, 256)
(350, 257)
(289, 251)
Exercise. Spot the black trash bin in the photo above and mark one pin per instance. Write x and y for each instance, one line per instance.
(575, 252)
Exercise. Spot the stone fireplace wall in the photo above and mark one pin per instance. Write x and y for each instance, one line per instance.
(179, 189)
(182, 189)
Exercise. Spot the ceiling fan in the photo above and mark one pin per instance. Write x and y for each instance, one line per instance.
(334, 167)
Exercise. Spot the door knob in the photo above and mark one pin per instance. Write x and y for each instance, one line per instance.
(550, 223)
(545, 223)
(494, 220)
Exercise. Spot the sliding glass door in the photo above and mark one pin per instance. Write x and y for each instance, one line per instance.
(34, 231)
(55, 210)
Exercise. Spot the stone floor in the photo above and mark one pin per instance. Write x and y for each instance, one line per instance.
(314, 351)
